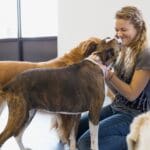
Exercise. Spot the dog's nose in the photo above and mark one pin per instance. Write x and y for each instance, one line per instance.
(118, 39)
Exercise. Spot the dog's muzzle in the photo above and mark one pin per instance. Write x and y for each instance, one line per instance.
(118, 39)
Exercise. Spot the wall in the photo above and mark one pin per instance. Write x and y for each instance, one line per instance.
(81, 19)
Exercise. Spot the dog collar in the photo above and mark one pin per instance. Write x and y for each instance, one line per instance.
(97, 62)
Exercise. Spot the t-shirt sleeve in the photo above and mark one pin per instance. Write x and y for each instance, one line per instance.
(143, 61)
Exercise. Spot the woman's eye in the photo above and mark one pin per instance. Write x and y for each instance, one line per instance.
(123, 30)
(120, 30)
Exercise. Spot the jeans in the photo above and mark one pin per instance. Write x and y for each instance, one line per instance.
(113, 129)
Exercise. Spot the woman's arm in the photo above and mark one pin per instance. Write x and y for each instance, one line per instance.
(110, 94)
(130, 91)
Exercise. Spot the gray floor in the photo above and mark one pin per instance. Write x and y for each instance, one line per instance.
(37, 136)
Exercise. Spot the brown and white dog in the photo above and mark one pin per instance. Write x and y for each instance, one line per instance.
(68, 90)
(139, 136)
(9, 69)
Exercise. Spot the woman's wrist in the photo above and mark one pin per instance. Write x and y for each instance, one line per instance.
(110, 75)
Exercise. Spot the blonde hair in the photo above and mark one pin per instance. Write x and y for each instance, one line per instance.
(128, 57)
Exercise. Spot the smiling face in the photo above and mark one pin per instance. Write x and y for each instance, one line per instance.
(125, 30)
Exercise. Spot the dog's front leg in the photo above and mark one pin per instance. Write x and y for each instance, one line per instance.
(94, 135)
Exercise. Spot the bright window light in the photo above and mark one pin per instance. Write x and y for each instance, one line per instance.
(39, 18)
(8, 19)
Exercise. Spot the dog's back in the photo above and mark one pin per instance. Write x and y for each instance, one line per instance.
(73, 85)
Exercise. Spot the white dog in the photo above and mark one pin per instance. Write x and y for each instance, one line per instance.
(139, 136)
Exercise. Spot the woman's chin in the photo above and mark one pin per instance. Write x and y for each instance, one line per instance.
(125, 43)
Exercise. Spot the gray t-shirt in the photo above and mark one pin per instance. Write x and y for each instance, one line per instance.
(142, 103)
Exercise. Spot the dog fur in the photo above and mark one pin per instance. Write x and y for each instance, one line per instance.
(139, 136)
(9, 69)
(56, 93)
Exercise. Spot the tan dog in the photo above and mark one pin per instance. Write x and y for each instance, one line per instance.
(64, 90)
(9, 69)
(139, 136)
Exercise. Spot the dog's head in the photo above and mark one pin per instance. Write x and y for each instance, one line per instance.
(89, 46)
(108, 50)
(81, 51)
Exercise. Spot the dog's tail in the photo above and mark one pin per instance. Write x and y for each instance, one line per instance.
(5, 91)
(6, 88)
(10, 86)
(1, 91)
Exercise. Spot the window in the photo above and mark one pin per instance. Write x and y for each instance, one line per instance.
(8, 18)
(38, 18)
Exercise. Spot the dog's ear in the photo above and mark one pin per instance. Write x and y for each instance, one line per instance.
(131, 143)
(90, 49)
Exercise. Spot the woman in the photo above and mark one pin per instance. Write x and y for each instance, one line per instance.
(130, 82)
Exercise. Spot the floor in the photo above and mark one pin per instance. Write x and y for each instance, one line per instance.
(37, 136)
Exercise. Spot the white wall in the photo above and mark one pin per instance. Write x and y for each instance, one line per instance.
(80, 19)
